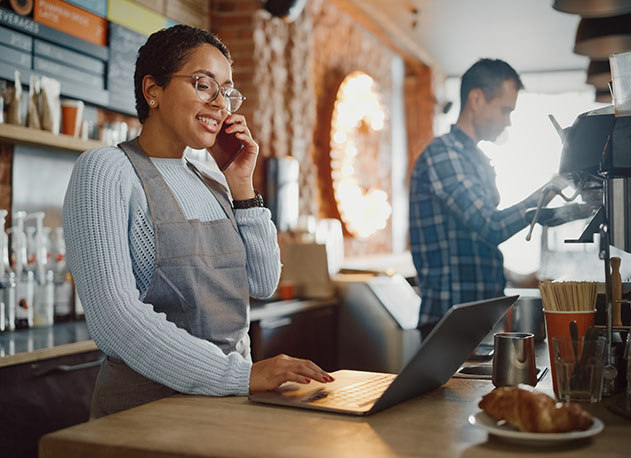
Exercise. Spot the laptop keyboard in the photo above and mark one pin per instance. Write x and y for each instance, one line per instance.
(357, 394)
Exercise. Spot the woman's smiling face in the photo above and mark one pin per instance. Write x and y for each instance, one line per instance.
(185, 119)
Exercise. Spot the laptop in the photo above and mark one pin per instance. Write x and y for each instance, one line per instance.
(440, 355)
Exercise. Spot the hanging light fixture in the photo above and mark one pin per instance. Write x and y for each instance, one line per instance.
(287, 10)
(599, 37)
(593, 8)
(599, 74)
(603, 97)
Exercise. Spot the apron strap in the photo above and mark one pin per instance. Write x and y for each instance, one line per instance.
(162, 204)
(219, 191)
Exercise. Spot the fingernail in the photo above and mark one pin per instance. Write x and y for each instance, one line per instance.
(307, 380)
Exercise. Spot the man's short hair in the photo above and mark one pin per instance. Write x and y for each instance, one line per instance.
(487, 75)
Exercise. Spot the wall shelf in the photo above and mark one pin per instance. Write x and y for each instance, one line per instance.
(19, 135)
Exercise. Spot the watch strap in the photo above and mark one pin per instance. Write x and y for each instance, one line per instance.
(256, 201)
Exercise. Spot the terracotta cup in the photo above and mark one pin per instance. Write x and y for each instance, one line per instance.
(71, 117)
(558, 325)
(286, 290)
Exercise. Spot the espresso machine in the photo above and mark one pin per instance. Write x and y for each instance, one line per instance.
(596, 159)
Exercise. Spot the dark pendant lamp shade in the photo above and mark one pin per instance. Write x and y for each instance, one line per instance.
(597, 38)
(287, 10)
(599, 74)
(593, 8)
(603, 97)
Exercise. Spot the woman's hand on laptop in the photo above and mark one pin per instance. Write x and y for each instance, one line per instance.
(270, 373)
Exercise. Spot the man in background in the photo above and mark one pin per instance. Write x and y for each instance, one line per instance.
(455, 226)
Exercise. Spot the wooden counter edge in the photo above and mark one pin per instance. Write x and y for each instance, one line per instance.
(48, 353)
(52, 446)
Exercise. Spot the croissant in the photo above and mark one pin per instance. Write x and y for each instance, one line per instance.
(531, 411)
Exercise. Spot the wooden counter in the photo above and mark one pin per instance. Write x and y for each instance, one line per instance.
(431, 425)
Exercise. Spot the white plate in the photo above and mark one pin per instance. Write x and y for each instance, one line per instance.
(509, 433)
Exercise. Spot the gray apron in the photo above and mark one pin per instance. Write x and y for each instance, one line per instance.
(199, 282)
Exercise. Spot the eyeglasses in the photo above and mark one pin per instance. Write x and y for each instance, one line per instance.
(207, 90)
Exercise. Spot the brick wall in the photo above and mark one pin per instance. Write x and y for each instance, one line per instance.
(290, 74)
(233, 22)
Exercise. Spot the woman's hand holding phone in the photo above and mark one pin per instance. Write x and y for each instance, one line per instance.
(240, 166)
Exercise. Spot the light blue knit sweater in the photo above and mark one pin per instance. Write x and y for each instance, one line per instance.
(110, 251)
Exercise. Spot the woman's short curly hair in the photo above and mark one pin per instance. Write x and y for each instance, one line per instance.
(164, 53)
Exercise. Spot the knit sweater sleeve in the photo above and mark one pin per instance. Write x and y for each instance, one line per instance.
(96, 219)
(261, 246)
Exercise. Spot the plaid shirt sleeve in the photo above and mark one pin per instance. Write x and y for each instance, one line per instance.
(470, 198)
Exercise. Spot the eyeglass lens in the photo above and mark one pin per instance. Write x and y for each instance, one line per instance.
(208, 89)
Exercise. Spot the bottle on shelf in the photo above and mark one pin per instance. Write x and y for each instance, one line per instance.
(7, 280)
(9, 289)
(24, 278)
(79, 313)
(43, 314)
(31, 250)
(44, 277)
(48, 246)
(64, 290)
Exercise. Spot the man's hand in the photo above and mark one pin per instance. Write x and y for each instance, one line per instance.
(551, 189)
(559, 215)
(270, 373)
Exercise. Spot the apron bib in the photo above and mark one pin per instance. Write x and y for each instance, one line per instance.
(199, 282)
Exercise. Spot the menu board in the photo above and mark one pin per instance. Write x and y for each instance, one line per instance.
(97, 74)
(68, 57)
(33, 48)
(124, 45)
(16, 40)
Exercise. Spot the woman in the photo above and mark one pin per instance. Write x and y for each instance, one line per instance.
(163, 262)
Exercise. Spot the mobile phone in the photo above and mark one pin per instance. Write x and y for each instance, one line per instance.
(226, 148)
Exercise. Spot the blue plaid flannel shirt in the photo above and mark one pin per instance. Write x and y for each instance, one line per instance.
(455, 226)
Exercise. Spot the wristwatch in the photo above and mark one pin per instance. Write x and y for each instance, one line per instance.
(256, 201)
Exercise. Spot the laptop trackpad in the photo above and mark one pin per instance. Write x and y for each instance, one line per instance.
(352, 391)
